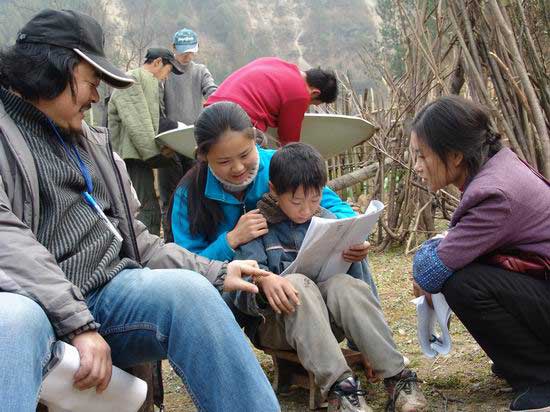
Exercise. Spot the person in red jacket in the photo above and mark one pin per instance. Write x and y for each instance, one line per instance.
(276, 93)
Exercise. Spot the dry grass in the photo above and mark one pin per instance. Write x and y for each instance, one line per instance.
(461, 381)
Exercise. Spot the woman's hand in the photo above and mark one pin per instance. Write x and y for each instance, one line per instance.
(356, 253)
(418, 291)
(280, 293)
(250, 226)
(239, 268)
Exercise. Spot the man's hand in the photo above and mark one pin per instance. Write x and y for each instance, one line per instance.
(167, 151)
(356, 253)
(95, 361)
(239, 268)
(280, 293)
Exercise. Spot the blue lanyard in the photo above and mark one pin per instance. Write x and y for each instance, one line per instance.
(87, 194)
(75, 157)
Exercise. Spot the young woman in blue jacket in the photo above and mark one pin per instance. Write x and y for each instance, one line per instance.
(214, 208)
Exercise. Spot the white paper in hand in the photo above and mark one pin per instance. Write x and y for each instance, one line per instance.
(426, 320)
(181, 139)
(125, 392)
(320, 256)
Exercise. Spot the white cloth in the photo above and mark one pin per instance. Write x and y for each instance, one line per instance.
(426, 319)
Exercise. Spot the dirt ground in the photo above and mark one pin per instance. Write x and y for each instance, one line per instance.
(460, 381)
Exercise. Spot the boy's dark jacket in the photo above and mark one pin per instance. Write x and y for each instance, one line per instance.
(274, 252)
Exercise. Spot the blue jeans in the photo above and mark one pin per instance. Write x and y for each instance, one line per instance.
(145, 315)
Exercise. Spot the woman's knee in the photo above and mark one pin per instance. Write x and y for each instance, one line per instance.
(463, 287)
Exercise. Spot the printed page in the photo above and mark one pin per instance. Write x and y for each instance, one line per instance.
(320, 256)
(181, 140)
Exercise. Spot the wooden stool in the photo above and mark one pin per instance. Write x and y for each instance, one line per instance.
(145, 372)
(289, 371)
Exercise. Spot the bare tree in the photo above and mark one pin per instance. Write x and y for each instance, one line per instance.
(493, 52)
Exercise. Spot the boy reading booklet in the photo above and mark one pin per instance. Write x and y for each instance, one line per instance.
(311, 318)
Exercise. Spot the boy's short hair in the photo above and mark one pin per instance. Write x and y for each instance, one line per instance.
(295, 165)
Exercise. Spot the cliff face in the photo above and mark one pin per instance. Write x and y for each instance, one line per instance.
(307, 32)
(329, 33)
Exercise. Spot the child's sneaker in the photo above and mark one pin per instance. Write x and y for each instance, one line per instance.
(534, 398)
(347, 396)
(405, 395)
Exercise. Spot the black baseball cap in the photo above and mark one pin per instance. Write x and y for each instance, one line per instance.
(164, 54)
(78, 32)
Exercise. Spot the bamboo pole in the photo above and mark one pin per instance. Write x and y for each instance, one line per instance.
(538, 117)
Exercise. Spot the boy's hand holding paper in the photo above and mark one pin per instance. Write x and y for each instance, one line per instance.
(356, 253)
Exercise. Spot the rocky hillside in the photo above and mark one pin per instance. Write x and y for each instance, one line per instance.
(231, 32)
(308, 32)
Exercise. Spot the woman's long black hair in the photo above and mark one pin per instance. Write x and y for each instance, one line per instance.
(204, 214)
(455, 124)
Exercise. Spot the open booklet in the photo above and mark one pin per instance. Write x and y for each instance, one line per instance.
(320, 255)
(181, 139)
(125, 392)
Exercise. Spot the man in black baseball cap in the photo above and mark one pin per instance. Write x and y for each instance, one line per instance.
(75, 263)
(167, 57)
(78, 32)
(133, 119)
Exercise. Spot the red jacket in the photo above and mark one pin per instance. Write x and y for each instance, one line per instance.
(272, 92)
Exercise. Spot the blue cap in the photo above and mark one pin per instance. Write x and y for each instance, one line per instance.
(186, 40)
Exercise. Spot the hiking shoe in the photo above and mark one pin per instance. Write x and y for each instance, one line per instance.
(405, 395)
(347, 396)
(533, 399)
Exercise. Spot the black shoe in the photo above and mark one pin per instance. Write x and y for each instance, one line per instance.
(533, 399)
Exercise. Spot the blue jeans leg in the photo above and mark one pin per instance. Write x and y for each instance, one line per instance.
(177, 314)
(26, 337)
